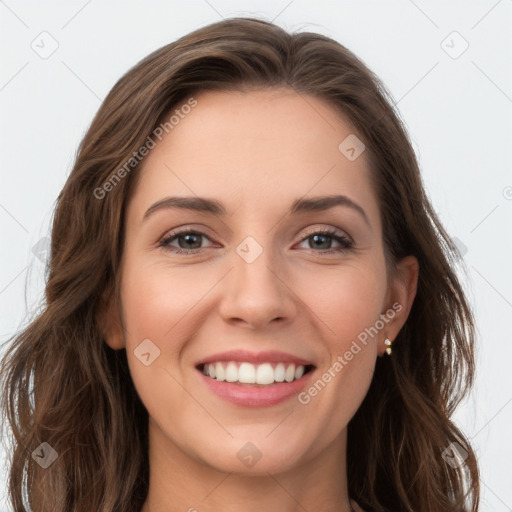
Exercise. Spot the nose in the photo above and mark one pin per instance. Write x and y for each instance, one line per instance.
(257, 294)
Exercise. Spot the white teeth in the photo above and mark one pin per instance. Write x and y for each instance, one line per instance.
(247, 373)
(289, 374)
(299, 372)
(220, 374)
(279, 372)
(232, 372)
(264, 374)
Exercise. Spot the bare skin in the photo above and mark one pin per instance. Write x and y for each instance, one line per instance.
(256, 152)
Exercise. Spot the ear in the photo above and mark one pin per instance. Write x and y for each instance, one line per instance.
(109, 322)
(401, 293)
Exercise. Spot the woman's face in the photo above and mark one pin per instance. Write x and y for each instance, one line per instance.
(260, 288)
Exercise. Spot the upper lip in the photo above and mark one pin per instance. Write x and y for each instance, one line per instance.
(270, 356)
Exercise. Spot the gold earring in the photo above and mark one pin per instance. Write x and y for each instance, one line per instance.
(388, 343)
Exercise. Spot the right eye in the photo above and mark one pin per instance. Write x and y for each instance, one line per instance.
(190, 238)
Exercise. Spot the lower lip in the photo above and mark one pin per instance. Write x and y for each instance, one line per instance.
(249, 396)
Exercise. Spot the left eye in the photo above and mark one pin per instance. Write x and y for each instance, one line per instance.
(189, 242)
(318, 238)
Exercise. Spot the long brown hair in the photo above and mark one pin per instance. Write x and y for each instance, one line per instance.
(63, 385)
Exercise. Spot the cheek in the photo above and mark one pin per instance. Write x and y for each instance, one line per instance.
(347, 300)
(156, 300)
(348, 303)
(156, 307)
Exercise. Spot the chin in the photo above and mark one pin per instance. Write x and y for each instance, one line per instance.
(257, 455)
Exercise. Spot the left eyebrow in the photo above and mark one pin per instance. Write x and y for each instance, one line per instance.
(205, 205)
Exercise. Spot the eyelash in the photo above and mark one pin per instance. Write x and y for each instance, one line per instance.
(346, 243)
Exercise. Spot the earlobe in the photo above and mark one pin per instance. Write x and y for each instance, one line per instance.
(402, 291)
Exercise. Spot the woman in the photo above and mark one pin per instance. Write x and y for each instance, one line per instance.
(251, 304)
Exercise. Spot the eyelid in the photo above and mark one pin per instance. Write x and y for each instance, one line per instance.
(186, 228)
(331, 229)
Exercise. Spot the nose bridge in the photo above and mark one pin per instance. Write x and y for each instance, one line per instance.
(254, 263)
(255, 291)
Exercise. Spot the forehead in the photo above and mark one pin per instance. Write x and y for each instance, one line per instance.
(259, 150)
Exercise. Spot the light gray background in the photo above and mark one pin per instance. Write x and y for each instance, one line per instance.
(458, 110)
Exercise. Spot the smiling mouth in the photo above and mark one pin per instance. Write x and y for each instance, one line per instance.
(254, 375)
